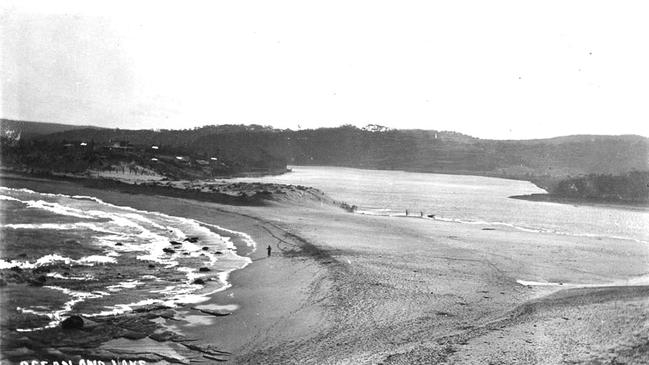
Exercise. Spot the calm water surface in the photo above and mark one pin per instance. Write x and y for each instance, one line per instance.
(466, 199)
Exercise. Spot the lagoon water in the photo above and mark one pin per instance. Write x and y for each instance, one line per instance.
(468, 200)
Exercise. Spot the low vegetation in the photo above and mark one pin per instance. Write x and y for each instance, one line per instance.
(630, 187)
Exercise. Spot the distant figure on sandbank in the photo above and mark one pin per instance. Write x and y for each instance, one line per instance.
(269, 249)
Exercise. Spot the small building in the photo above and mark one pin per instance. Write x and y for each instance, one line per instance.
(184, 159)
(119, 146)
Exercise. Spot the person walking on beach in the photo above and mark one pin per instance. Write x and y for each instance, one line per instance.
(269, 249)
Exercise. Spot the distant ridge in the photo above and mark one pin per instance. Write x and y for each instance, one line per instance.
(546, 162)
(30, 129)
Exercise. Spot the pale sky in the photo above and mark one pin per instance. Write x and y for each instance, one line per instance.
(491, 69)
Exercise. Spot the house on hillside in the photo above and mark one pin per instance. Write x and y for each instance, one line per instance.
(183, 159)
(119, 146)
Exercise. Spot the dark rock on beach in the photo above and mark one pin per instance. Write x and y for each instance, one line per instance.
(208, 351)
(168, 250)
(215, 312)
(134, 335)
(204, 269)
(163, 336)
(213, 309)
(199, 281)
(192, 239)
(38, 281)
(151, 308)
(72, 322)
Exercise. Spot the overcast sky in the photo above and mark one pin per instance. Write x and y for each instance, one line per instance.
(492, 69)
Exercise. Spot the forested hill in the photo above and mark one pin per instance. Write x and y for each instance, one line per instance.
(448, 152)
(411, 150)
(375, 147)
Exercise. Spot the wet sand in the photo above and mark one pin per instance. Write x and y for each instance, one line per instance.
(407, 290)
(348, 288)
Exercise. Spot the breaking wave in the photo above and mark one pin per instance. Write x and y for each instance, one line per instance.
(124, 235)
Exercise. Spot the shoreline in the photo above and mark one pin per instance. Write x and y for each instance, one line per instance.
(609, 203)
(342, 287)
(259, 230)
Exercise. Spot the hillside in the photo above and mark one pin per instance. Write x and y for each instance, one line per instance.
(412, 150)
(32, 129)
(447, 152)
(242, 148)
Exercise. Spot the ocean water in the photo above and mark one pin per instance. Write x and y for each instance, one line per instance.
(466, 200)
(97, 258)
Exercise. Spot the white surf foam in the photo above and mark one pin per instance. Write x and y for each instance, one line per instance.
(56, 316)
(632, 281)
(60, 276)
(54, 258)
(129, 284)
(135, 231)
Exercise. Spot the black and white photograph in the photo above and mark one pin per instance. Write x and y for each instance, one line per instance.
(324, 182)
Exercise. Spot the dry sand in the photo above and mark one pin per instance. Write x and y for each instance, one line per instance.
(348, 288)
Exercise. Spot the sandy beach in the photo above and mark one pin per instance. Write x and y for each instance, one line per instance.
(346, 288)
